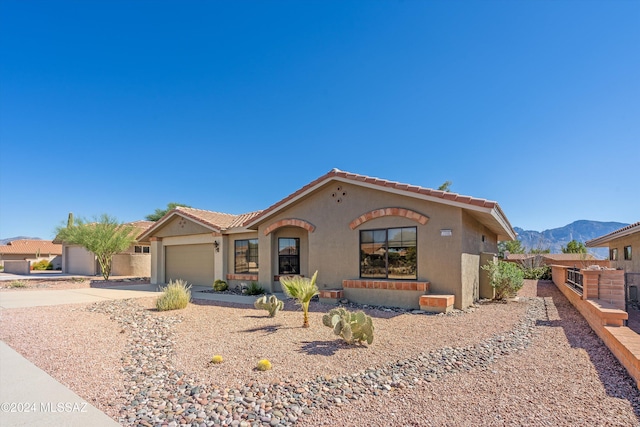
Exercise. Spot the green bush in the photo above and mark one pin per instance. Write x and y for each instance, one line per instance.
(220, 285)
(255, 289)
(506, 278)
(43, 264)
(537, 273)
(176, 295)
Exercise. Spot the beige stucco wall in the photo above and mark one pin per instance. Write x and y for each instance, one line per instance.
(17, 267)
(179, 226)
(55, 260)
(333, 248)
(632, 266)
(128, 264)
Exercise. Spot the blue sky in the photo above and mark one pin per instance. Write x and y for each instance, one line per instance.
(120, 107)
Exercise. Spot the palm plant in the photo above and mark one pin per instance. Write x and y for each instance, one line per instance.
(302, 289)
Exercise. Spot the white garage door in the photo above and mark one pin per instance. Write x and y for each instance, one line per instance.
(78, 260)
(193, 263)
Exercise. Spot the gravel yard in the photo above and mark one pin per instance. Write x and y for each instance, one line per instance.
(529, 362)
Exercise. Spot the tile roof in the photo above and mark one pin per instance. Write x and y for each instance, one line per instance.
(216, 220)
(624, 231)
(383, 183)
(498, 220)
(31, 247)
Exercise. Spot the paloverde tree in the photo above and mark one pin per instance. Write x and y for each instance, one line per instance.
(574, 247)
(104, 237)
(159, 213)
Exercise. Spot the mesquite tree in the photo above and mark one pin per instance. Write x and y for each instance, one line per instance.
(104, 236)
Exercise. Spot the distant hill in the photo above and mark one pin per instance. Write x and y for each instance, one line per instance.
(11, 239)
(555, 238)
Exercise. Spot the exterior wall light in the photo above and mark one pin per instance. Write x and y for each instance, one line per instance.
(216, 245)
(446, 232)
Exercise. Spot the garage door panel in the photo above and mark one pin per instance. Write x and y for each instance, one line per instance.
(193, 263)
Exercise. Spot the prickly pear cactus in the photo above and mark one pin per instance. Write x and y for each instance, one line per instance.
(351, 327)
(271, 304)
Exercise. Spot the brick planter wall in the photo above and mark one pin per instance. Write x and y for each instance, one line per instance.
(605, 318)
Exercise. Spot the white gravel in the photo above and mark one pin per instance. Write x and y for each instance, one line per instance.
(566, 377)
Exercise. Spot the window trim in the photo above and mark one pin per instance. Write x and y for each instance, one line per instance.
(386, 230)
(248, 258)
(627, 253)
(297, 255)
(613, 254)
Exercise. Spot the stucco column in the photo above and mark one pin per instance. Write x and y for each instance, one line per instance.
(157, 261)
(265, 263)
(218, 257)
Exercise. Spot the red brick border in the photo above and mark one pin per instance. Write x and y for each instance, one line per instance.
(386, 284)
(379, 213)
(290, 222)
(252, 277)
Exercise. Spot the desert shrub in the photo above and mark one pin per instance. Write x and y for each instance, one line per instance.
(18, 284)
(263, 365)
(176, 295)
(351, 327)
(220, 285)
(43, 264)
(271, 304)
(255, 289)
(537, 273)
(217, 359)
(506, 278)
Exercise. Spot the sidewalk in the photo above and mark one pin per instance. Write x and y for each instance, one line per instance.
(29, 396)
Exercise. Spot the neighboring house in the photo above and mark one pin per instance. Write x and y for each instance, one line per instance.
(567, 260)
(135, 261)
(624, 247)
(381, 242)
(32, 250)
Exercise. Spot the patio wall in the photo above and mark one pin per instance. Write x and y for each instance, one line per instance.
(605, 319)
(17, 267)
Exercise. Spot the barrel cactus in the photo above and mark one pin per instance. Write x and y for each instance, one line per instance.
(271, 304)
(351, 327)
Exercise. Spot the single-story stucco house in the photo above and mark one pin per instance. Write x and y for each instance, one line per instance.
(377, 241)
(621, 244)
(135, 261)
(33, 250)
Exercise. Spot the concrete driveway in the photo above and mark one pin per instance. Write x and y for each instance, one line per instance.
(38, 298)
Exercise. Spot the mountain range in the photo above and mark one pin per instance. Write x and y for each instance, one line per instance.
(555, 238)
(11, 239)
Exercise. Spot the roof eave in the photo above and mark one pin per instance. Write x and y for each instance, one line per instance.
(603, 240)
(169, 215)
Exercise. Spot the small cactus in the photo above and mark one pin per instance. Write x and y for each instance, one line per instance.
(220, 285)
(263, 365)
(217, 359)
(271, 304)
(351, 327)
